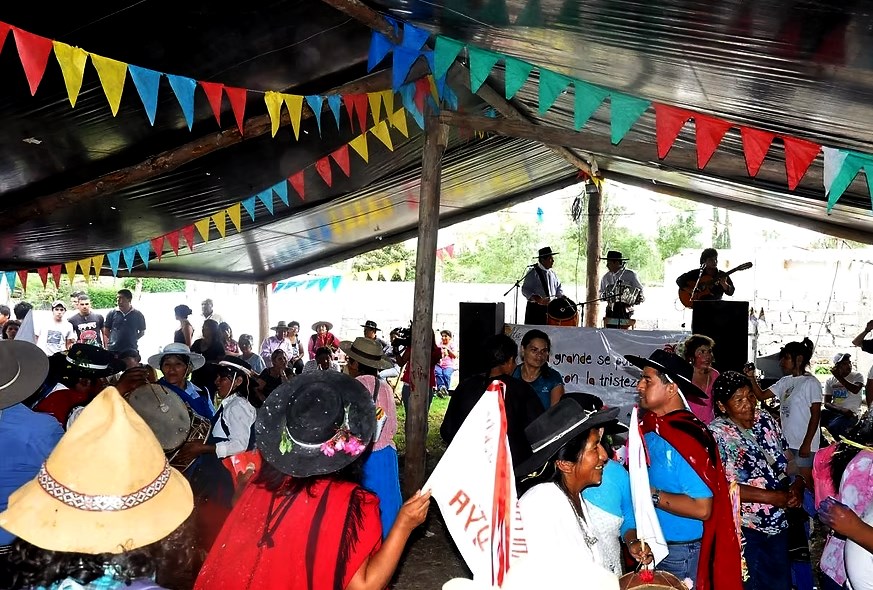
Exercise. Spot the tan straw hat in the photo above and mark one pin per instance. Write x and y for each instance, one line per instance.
(105, 488)
(367, 352)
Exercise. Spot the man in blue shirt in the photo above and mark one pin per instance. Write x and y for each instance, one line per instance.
(26, 437)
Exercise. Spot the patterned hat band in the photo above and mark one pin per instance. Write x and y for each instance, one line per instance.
(101, 503)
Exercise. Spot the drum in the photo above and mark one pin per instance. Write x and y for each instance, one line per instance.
(661, 581)
(198, 432)
(562, 312)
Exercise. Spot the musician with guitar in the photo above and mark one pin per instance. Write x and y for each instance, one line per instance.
(707, 283)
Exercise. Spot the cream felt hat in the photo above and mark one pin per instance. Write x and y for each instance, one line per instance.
(105, 488)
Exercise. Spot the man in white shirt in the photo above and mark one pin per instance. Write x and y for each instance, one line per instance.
(620, 287)
(842, 396)
(540, 286)
(56, 335)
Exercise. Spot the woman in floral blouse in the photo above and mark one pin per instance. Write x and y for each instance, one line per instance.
(752, 448)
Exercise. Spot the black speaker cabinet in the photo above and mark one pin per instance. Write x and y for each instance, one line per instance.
(726, 322)
(477, 322)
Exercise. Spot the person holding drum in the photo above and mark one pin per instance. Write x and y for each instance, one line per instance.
(620, 287)
(534, 370)
(177, 362)
(540, 286)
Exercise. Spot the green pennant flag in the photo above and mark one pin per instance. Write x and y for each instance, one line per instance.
(445, 51)
(494, 13)
(588, 99)
(516, 75)
(852, 164)
(551, 86)
(625, 110)
(481, 63)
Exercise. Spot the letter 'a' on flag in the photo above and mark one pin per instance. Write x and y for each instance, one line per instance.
(474, 486)
(648, 527)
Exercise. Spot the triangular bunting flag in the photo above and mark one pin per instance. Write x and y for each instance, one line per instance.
(129, 254)
(334, 101)
(72, 61)
(322, 166)
(552, 85)
(375, 101)
(71, 270)
(360, 102)
(669, 121)
(237, 98)
(202, 226)
(146, 83)
(188, 234)
(403, 60)
(97, 264)
(341, 157)
(407, 94)
(624, 112)
(281, 190)
(22, 278)
(266, 198)
(445, 51)
(158, 246)
(422, 92)
(709, 133)
(56, 274)
(112, 74)
(43, 275)
(315, 103)
(10, 279)
(114, 259)
(833, 163)
(249, 206)
(481, 63)
(517, 72)
(388, 101)
(296, 181)
(184, 89)
(322, 283)
(220, 221)
(85, 267)
(756, 143)
(173, 238)
(852, 164)
(398, 121)
(235, 214)
(213, 91)
(294, 102)
(382, 133)
(335, 281)
(799, 154)
(413, 37)
(359, 144)
(274, 102)
(143, 250)
(33, 51)
(587, 99)
(380, 46)
(4, 32)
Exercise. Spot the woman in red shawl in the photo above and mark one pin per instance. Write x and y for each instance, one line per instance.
(322, 337)
(305, 522)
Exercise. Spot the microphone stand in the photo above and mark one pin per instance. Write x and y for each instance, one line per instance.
(517, 286)
(697, 282)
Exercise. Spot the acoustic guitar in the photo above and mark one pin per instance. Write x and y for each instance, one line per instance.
(688, 294)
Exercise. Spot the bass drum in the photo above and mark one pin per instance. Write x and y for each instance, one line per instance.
(165, 413)
(661, 581)
(562, 312)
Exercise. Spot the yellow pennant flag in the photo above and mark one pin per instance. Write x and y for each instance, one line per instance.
(85, 266)
(433, 89)
(398, 121)
(359, 144)
(403, 270)
(220, 221)
(381, 132)
(375, 99)
(274, 108)
(112, 74)
(72, 61)
(234, 213)
(97, 264)
(388, 101)
(202, 226)
(294, 102)
(71, 270)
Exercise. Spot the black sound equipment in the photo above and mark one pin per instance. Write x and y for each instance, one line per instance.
(477, 321)
(726, 322)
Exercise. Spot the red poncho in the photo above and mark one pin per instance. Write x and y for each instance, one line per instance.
(720, 565)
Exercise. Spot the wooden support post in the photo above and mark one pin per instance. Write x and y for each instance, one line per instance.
(435, 141)
(263, 315)
(595, 210)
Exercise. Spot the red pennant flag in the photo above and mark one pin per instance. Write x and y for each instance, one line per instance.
(22, 277)
(237, 98)
(158, 246)
(440, 253)
(213, 95)
(296, 181)
(56, 274)
(341, 157)
(450, 249)
(323, 168)
(422, 89)
(188, 234)
(43, 275)
(710, 132)
(361, 105)
(668, 123)
(756, 143)
(799, 154)
(33, 51)
(4, 31)
(350, 110)
(173, 238)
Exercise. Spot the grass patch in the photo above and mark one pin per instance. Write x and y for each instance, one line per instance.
(435, 446)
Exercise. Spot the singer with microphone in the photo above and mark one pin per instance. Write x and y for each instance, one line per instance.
(540, 286)
(706, 283)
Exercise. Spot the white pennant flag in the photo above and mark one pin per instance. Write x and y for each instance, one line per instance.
(648, 527)
(833, 162)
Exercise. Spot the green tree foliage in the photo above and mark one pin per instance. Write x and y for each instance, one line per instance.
(155, 285)
(385, 256)
(500, 257)
(676, 234)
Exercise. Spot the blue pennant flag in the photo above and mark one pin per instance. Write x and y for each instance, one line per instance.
(114, 258)
(10, 279)
(334, 101)
(143, 250)
(407, 95)
(322, 283)
(380, 46)
(266, 198)
(147, 83)
(315, 102)
(324, 233)
(413, 37)
(249, 206)
(281, 189)
(335, 281)
(184, 89)
(403, 60)
(129, 254)
(428, 55)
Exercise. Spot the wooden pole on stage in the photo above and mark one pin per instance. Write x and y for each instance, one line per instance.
(595, 210)
(263, 315)
(436, 136)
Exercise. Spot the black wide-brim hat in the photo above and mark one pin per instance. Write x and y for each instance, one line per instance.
(307, 412)
(84, 360)
(589, 402)
(672, 365)
(560, 424)
(615, 255)
(545, 252)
